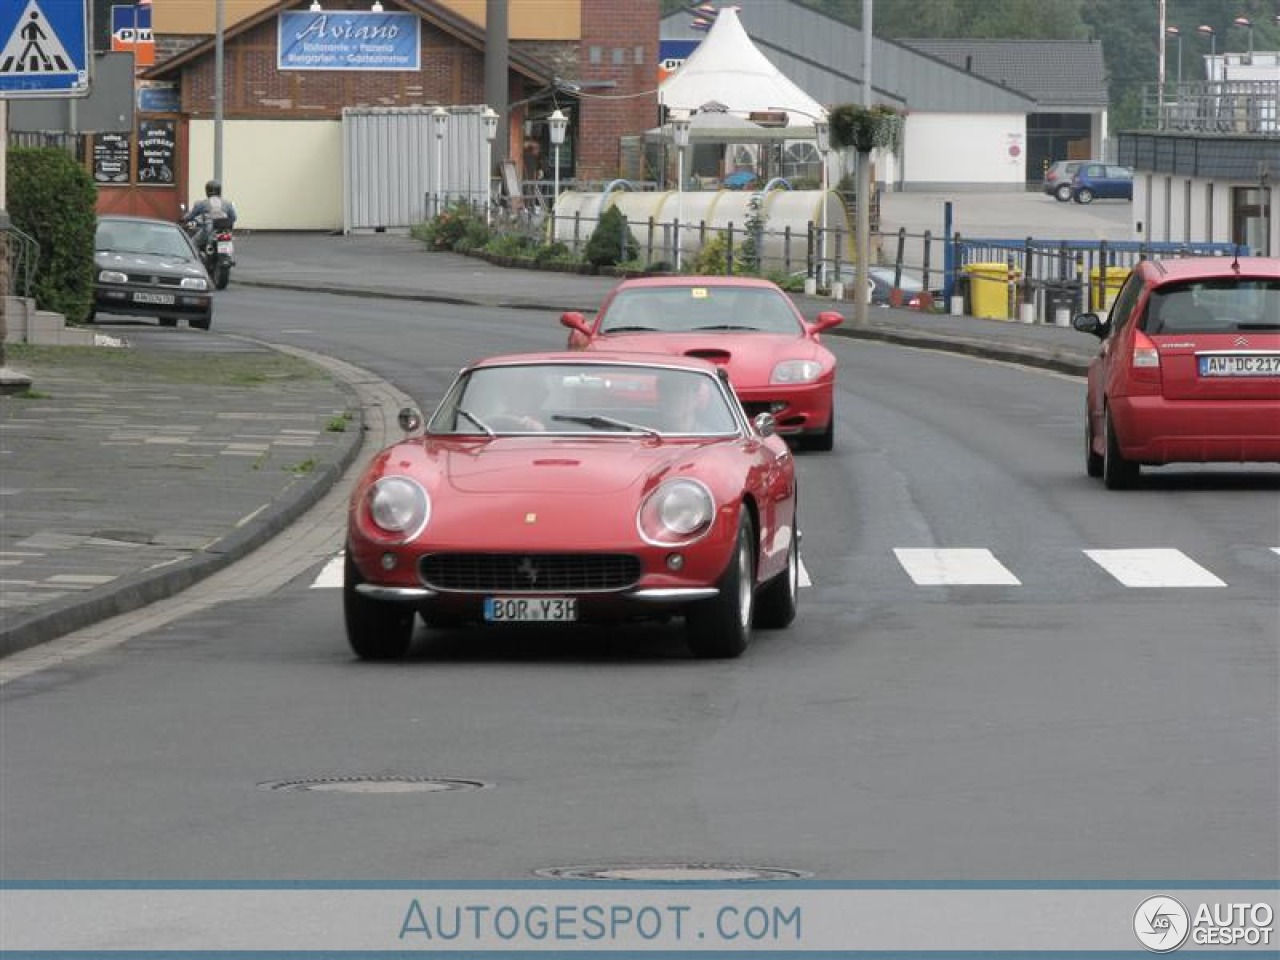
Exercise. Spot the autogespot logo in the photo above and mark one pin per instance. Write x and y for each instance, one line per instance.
(1161, 924)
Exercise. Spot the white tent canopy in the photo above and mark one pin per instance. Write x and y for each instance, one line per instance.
(717, 127)
(729, 68)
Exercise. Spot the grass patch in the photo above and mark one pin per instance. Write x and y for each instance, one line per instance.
(238, 368)
(338, 424)
(306, 466)
(29, 394)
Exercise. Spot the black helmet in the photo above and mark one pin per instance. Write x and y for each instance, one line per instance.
(213, 188)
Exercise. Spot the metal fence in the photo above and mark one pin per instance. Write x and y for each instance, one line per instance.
(1224, 106)
(23, 254)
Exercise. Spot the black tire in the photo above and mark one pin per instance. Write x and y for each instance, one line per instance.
(721, 627)
(203, 323)
(1084, 195)
(1092, 461)
(221, 276)
(776, 605)
(376, 630)
(1117, 472)
(168, 321)
(826, 440)
(1062, 193)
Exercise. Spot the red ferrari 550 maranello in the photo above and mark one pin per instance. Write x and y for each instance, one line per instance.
(568, 487)
(774, 357)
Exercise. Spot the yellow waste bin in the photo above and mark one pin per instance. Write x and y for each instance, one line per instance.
(1100, 298)
(989, 289)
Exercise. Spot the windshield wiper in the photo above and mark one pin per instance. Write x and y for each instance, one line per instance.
(1258, 326)
(727, 326)
(476, 421)
(631, 329)
(600, 422)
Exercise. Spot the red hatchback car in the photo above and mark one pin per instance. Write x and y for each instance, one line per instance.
(774, 357)
(1189, 369)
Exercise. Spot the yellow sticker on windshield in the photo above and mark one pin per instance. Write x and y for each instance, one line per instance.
(698, 293)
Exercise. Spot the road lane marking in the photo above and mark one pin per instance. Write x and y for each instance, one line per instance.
(1153, 568)
(954, 567)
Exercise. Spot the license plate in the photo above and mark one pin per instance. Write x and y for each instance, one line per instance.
(530, 609)
(1240, 365)
(225, 246)
(153, 298)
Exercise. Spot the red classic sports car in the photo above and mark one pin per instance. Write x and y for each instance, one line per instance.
(1189, 368)
(566, 487)
(774, 357)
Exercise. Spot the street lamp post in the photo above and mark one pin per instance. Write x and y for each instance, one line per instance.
(822, 136)
(490, 120)
(1177, 34)
(440, 119)
(558, 121)
(1247, 24)
(680, 125)
(1213, 48)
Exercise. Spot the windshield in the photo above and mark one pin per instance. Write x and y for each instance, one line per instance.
(687, 309)
(154, 239)
(598, 399)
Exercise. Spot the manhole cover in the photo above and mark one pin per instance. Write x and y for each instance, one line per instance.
(376, 785)
(674, 872)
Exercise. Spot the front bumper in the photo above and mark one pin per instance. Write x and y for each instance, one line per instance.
(134, 300)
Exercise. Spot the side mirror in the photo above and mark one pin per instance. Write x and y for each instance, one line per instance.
(575, 321)
(765, 425)
(825, 321)
(1090, 323)
(409, 419)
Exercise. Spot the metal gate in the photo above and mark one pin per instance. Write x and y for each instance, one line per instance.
(400, 169)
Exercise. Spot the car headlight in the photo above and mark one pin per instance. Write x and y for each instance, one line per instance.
(112, 276)
(398, 505)
(679, 511)
(194, 283)
(796, 371)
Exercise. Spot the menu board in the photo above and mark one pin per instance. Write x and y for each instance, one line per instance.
(156, 149)
(111, 158)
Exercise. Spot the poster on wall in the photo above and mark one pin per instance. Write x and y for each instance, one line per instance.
(348, 40)
(156, 152)
(111, 158)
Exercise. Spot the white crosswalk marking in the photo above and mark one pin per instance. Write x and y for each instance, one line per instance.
(1154, 568)
(955, 567)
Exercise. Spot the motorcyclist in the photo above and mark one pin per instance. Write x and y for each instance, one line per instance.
(213, 207)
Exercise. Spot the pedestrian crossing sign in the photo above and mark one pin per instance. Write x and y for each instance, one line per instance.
(44, 48)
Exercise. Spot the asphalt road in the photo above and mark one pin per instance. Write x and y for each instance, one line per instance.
(1034, 717)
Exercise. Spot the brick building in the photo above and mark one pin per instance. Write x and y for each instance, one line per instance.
(595, 60)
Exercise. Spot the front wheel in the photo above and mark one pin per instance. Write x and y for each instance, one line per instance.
(1092, 459)
(776, 607)
(376, 630)
(221, 276)
(826, 440)
(1084, 195)
(721, 627)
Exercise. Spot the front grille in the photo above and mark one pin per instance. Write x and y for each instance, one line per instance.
(529, 572)
(151, 279)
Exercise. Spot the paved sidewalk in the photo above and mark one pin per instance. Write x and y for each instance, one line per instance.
(123, 485)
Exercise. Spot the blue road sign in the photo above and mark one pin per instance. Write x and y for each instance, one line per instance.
(44, 48)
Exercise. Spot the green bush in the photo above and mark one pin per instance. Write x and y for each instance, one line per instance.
(511, 245)
(606, 246)
(450, 227)
(552, 253)
(53, 199)
(713, 258)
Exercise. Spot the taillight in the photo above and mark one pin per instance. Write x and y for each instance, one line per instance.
(1146, 358)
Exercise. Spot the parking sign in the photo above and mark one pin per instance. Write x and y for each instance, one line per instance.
(44, 48)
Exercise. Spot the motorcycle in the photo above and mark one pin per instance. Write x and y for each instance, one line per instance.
(217, 251)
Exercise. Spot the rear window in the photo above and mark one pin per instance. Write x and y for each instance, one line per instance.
(1221, 305)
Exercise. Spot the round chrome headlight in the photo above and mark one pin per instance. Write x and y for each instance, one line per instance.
(679, 511)
(400, 506)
